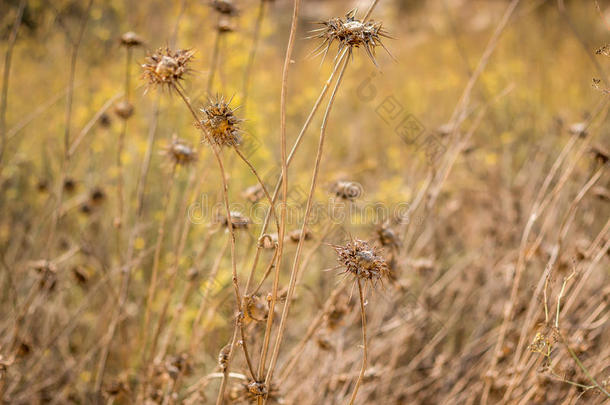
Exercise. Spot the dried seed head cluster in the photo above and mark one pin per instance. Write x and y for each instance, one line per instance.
(362, 260)
(131, 39)
(347, 190)
(220, 123)
(165, 67)
(350, 33)
(180, 152)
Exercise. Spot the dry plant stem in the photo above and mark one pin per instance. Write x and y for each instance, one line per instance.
(295, 268)
(16, 128)
(295, 147)
(364, 343)
(173, 270)
(296, 352)
(260, 182)
(68, 123)
(225, 195)
(126, 272)
(6, 75)
(214, 63)
(540, 204)
(87, 128)
(119, 160)
(152, 288)
(290, 157)
(567, 345)
(370, 10)
(255, 37)
(284, 163)
(196, 333)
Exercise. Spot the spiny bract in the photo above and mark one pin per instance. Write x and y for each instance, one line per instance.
(220, 123)
(352, 33)
(165, 67)
(362, 260)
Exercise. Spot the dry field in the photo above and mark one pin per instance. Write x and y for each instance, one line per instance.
(304, 202)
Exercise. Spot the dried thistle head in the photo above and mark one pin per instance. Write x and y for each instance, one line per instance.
(226, 7)
(350, 32)
(387, 236)
(220, 123)
(131, 39)
(238, 220)
(124, 109)
(180, 152)
(347, 190)
(177, 365)
(362, 260)
(166, 67)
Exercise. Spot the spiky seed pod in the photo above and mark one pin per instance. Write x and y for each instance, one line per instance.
(347, 190)
(295, 235)
(238, 220)
(351, 33)
(131, 39)
(124, 109)
(220, 123)
(180, 152)
(165, 67)
(387, 236)
(226, 7)
(362, 261)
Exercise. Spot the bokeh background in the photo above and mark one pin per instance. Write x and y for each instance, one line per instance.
(515, 189)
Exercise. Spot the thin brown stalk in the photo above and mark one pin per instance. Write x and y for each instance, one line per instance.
(152, 287)
(214, 62)
(6, 75)
(364, 344)
(295, 268)
(260, 15)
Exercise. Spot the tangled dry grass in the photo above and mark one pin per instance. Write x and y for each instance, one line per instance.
(221, 202)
